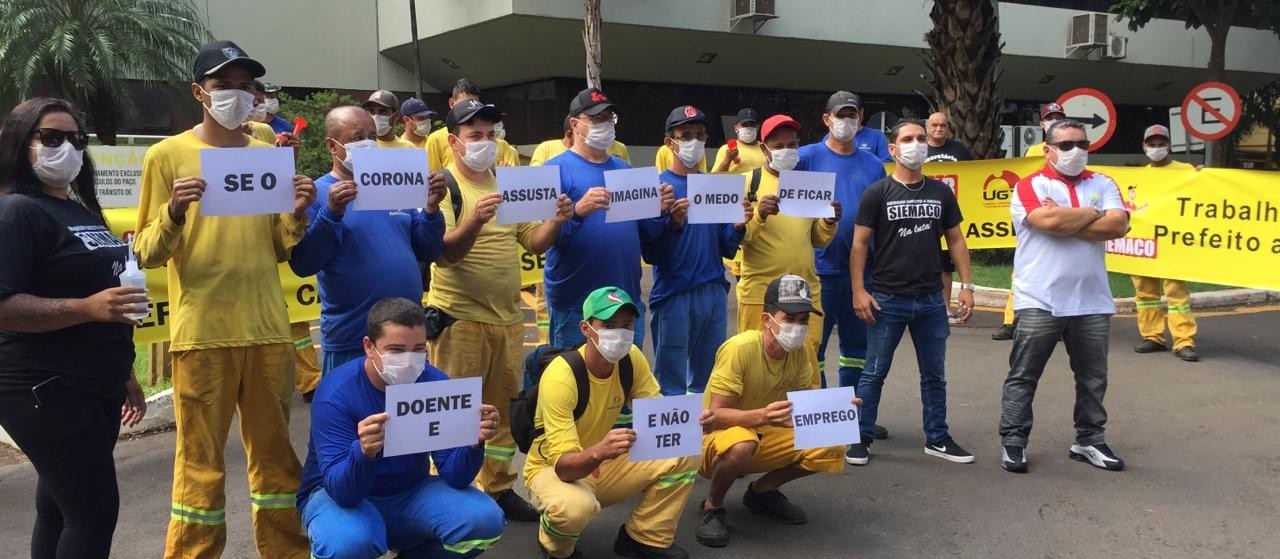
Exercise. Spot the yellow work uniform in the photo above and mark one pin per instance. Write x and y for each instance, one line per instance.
(262, 132)
(665, 157)
(508, 155)
(551, 148)
(743, 371)
(395, 142)
(1151, 316)
(750, 156)
(440, 155)
(1036, 150)
(1007, 319)
(306, 370)
(232, 352)
(420, 144)
(567, 507)
(482, 292)
(776, 247)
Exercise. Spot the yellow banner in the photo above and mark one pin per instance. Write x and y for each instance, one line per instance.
(983, 189)
(300, 294)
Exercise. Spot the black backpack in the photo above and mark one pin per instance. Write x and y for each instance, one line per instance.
(525, 406)
(755, 185)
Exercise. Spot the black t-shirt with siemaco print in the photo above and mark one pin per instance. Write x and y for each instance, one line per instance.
(57, 249)
(908, 223)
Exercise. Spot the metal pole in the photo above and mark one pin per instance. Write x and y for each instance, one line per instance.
(417, 53)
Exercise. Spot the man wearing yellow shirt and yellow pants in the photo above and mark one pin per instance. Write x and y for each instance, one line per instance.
(232, 352)
(384, 107)
(779, 244)
(477, 284)
(577, 466)
(746, 156)
(749, 419)
(1151, 317)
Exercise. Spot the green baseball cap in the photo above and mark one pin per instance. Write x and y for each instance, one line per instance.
(603, 303)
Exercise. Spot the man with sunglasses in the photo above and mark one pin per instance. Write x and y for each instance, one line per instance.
(1062, 214)
(231, 347)
(591, 252)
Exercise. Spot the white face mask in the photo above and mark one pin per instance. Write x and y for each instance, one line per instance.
(382, 124)
(272, 105)
(229, 107)
(401, 368)
(1156, 154)
(480, 155)
(259, 113)
(784, 159)
(58, 166)
(600, 136)
(843, 129)
(912, 155)
(500, 130)
(422, 127)
(748, 134)
(359, 144)
(614, 343)
(1071, 163)
(691, 152)
(790, 336)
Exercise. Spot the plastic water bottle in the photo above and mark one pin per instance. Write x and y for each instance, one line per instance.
(134, 277)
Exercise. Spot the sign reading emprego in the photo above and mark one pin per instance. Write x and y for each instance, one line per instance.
(806, 194)
(117, 174)
(716, 198)
(389, 178)
(427, 416)
(824, 417)
(667, 427)
(247, 181)
(633, 194)
(528, 193)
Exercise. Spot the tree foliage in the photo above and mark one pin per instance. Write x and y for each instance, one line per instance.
(86, 50)
(313, 158)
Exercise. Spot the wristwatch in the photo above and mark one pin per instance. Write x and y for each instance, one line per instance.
(968, 286)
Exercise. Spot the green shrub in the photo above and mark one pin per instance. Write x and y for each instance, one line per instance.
(313, 159)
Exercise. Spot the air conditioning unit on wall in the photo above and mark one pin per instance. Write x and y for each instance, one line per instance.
(755, 11)
(1087, 33)
(1117, 47)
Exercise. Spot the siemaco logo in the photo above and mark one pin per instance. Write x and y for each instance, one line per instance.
(997, 189)
(1136, 247)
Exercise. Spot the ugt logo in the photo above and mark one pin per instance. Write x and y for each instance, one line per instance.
(997, 188)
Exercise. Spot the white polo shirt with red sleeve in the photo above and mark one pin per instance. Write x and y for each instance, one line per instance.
(1065, 276)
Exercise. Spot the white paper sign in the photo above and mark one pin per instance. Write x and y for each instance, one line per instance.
(667, 427)
(716, 198)
(824, 417)
(389, 178)
(246, 181)
(634, 194)
(427, 416)
(117, 174)
(528, 193)
(806, 194)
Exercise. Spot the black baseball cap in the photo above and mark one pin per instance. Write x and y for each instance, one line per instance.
(591, 101)
(791, 294)
(214, 56)
(685, 114)
(748, 115)
(467, 109)
(842, 99)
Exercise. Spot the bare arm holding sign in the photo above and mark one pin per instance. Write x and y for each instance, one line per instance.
(724, 413)
(549, 231)
(458, 242)
(573, 466)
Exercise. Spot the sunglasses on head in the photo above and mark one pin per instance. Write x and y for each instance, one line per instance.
(52, 137)
(1068, 145)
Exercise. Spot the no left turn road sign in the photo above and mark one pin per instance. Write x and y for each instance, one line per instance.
(1211, 110)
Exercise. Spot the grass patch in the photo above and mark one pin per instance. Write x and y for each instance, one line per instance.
(141, 364)
(999, 276)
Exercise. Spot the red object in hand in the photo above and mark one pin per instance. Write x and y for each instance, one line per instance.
(733, 145)
(299, 124)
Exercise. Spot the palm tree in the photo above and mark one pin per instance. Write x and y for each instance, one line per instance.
(963, 61)
(591, 41)
(87, 50)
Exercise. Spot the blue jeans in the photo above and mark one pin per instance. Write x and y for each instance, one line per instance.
(837, 307)
(688, 328)
(330, 360)
(565, 331)
(926, 316)
(431, 520)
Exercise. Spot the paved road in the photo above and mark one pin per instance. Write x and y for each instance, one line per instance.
(1200, 441)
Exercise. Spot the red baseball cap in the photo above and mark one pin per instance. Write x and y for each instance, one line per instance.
(774, 122)
(1050, 108)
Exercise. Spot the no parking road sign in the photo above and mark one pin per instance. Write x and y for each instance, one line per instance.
(1094, 110)
(1211, 110)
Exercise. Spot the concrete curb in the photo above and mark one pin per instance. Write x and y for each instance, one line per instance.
(159, 415)
(993, 297)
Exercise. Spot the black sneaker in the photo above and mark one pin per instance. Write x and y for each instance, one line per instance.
(514, 507)
(627, 546)
(1099, 455)
(1149, 346)
(712, 532)
(1188, 354)
(1005, 332)
(880, 433)
(547, 554)
(1014, 459)
(775, 505)
(858, 454)
(948, 450)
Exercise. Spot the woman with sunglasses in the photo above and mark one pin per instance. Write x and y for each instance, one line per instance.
(66, 347)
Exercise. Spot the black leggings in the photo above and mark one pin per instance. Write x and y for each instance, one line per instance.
(69, 440)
